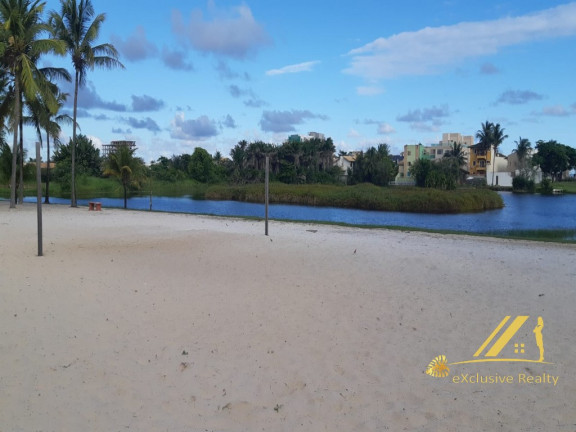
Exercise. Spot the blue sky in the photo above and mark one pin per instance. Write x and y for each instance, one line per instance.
(211, 73)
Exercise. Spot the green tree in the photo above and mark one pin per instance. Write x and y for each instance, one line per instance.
(46, 119)
(88, 161)
(21, 46)
(79, 28)
(5, 161)
(438, 175)
(455, 159)
(491, 136)
(523, 147)
(127, 168)
(164, 169)
(484, 136)
(522, 150)
(552, 157)
(374, 166)
(201, 167)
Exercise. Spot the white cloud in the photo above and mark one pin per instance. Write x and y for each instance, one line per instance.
(431, 49)
(557, 111)
(385, 129)
(194, 129)
(296, 68)
(233, 33)
(96, 141)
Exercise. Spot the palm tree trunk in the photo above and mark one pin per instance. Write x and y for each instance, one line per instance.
(125, 197)
(15, 144)
(493, 165)
(47, 196)
(73, 147)
(21, 185)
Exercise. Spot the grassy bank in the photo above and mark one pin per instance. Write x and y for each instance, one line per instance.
(568, 186)
(94, 187)
(365, 196)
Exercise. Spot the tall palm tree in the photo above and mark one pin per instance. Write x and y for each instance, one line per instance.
(21, 47)
(79, 27)
(45, 119)
(522, 150)
(498, 137)
(484, 136)
(129, 170)
(457, 157)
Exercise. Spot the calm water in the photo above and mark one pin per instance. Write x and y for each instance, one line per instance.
(520, 212)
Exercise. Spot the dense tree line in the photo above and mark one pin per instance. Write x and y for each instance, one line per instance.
(291, 162)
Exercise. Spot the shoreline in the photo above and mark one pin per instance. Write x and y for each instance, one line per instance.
(530, 235)
(161, 321)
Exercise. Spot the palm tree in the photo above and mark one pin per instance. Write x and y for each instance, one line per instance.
(523, 147)
(498, 137)
(522, 150)
(484, 136)
(21, 47)
(129, 170)
(78, 27)
(457, 157)
(457, 153)
(490, 136)
(48, 120)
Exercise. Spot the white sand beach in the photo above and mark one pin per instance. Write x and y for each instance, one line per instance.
(168, 322)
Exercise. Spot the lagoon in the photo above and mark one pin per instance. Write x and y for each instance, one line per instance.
(521, 212)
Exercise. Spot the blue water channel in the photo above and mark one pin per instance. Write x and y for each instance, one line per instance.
(520, 212)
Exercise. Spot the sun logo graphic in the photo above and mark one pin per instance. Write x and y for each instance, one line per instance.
(491, 349)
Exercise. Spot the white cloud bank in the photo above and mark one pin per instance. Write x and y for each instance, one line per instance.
(426, 51)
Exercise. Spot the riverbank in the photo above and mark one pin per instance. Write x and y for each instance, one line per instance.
(366, 197)
(362, 197)
(154, 321)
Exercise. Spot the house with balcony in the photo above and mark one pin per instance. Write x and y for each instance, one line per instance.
(481, 166)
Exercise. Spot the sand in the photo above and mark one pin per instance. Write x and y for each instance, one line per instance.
(168, 322)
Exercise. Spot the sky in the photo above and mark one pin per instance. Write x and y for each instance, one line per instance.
(364, 72)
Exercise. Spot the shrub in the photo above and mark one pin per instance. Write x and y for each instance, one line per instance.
(522, 184)
(546, 187)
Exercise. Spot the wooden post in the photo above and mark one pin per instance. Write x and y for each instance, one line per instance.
(39, 197)
(150, 193)
(266, 191)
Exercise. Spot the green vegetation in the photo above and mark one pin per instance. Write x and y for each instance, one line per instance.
(88, 162)
(523, 185)
(374, 166)
(556, 236)
(567, 186)
(126, 168)
(365, 196)
(77, 27)
(554, 158)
